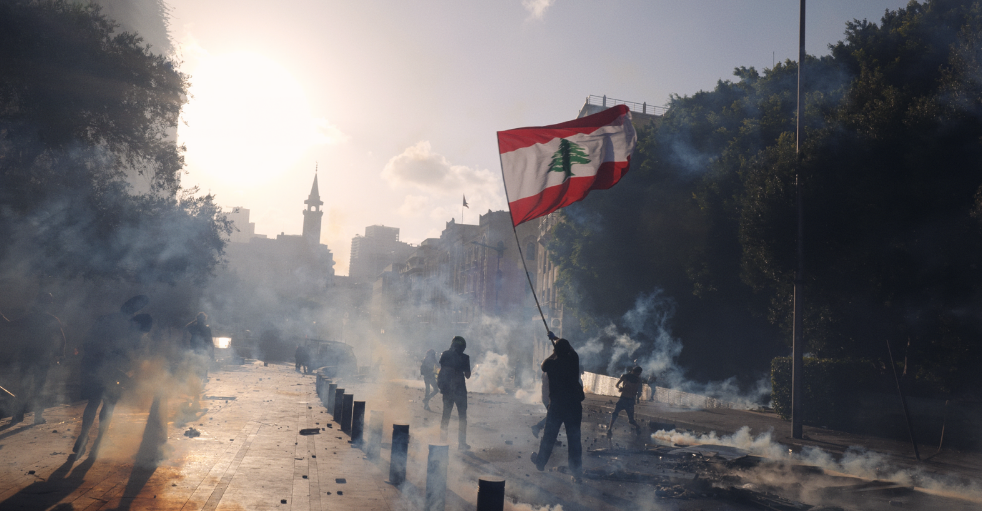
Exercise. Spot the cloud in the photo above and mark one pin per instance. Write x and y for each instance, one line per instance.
(537, 8)
(418, 166)
(327, 133)
(414, 206)
(421, 168)
(434, 180)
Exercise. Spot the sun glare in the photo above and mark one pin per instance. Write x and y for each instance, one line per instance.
(247, 119)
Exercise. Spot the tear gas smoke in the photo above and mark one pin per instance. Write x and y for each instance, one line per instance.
(643, 337)
(856, 461)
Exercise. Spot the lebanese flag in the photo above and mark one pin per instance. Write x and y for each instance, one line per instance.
(550, 167)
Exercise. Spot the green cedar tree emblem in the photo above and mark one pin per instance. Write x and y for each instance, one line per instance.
(568, 154)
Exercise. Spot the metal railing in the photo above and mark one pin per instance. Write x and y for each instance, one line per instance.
(644, 108)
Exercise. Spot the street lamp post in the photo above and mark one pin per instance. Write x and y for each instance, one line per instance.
(798, 342)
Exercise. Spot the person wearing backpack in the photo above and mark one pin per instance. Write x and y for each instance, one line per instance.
(427, 369)
(455, 368)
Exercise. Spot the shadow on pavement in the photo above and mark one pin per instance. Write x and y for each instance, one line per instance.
(9, 432)
(138, 479)
(44, 494)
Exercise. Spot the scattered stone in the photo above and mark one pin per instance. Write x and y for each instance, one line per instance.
(30, 472)
(340, 492)
(310, 431)
(54, 430)
(282, 501)
(508, 442)
(340, 480)
(304, 477)
(192, 433)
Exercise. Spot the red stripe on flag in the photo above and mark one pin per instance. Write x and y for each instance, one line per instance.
(524, 137)
(572, 190)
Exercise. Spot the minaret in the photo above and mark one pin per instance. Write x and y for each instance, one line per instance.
(312, 215)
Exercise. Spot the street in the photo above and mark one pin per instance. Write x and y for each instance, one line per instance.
(245, 450)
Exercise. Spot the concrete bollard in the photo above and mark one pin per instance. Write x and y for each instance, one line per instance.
(436, 478)
(490, 495)
(357, 423)
(400, 453)
(346, 407)
(319, 387)
(331, 388)
(338, 399)
(374, 434)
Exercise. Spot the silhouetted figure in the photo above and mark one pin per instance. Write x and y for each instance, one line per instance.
(40, 344)
(107, 353)
(303, 359)
(630, 386)
(565, 406)
(537, 427)
(268, 341)
(454, 368)
(201, 353)
(427, 368)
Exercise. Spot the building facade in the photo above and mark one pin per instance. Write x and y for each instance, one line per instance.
(373, 252)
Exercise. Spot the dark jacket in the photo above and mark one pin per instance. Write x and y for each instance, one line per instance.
(455, 367)
(200, 336)
(564, 378)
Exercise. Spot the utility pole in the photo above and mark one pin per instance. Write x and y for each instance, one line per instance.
(798, 342)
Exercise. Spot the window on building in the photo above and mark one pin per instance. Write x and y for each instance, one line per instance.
(530, 251)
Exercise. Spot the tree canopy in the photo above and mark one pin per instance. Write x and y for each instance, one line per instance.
(891, 189)
(89, 166)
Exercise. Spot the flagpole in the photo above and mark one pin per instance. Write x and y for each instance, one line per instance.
(518, 242)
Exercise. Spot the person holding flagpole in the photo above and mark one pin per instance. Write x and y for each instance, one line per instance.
(565, 406)
(546, 168)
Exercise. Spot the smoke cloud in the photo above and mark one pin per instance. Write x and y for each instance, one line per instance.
(856, 461)
(643, 337)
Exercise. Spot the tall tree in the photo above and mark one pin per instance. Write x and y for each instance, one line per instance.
(83, 107)
(891, 183)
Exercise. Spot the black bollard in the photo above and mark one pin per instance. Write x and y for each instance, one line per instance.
(436, 478)
(338, 399)
(357, 423)
(399, 454)
(331, 388)
(490, 495)
(346, 408)
(374, 434)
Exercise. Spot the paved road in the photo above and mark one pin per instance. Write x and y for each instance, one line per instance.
(250, 455)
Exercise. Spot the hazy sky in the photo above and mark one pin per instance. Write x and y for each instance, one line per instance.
(398, 102)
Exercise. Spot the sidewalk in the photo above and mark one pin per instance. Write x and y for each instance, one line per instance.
(249, 455)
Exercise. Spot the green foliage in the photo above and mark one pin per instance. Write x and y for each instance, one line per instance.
(86, 113)
(892, 195)
(830, 388)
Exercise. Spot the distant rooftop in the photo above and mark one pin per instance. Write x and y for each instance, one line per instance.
(641, 113)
